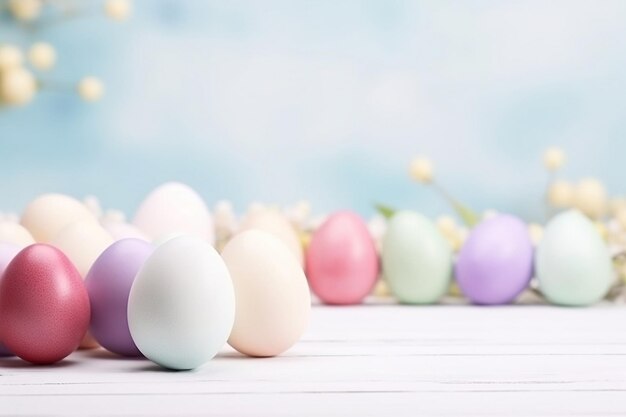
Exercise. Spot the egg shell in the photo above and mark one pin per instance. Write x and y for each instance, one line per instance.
(122, 230)
(495, 263)
(273, 298)
(181, 306)
(108, 283)
(43, 304)
(16, 234)
(83, 242)
(573, 264)
(276, 224)
(7, 253)
(341, 260)
(416, 258)
(48, 214)
(174, 208)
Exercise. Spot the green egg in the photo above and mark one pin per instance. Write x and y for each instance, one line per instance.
(416, 259)
(572, 263)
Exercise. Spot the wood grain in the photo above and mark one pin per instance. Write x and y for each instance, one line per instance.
(374, 360)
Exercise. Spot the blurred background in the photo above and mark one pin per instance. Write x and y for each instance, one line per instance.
(278, 101)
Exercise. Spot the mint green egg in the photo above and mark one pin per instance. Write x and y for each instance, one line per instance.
(573, 263)
(416, 259)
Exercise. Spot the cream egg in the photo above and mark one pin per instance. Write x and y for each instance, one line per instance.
(83, 242)
(274, 223)
(48, 214)
(15, 233)
(273, 298)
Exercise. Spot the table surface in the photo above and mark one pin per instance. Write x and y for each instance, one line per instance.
(379, 360)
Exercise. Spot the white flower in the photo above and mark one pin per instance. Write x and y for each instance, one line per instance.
(590, 197)
(553, 158)
(536, 233)
(10, 57)
(90, 89)
(17, 86)
(446, 225)
(42, 56)
(118, 9)
(25, 10)
(114, 216)
(560, 194)
(421, 170)
(93, 205)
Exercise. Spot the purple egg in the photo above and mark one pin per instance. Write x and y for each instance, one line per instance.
(108, 283)
(496, 262)
(7, 252)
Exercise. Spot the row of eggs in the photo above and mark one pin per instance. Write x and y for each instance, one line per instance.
(342, 263)
(496, 263)
(177, 303)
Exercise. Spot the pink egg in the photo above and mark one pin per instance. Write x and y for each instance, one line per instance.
(43, 304)
(341, 261)
(7, 253)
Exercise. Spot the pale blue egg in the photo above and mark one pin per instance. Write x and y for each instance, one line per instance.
(573, 263)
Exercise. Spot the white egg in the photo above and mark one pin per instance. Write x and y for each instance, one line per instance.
(48, 214)
(273, 298)
(181, 306)
(274, 223)
(15, 234)
(83, 242)
(174, 208)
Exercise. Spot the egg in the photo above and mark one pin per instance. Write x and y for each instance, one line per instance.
(15, 233)
(341, 260)
(108, 283)
(43, 304)
(495, 263)
(122, 230)
(273, 298)
(83, 242)
(181, 306)
(7, 253)
(174, 208)
(416, 259)
(274, 223)
(48, 214)
(573, 264)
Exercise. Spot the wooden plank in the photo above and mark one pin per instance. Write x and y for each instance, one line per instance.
(365, 360)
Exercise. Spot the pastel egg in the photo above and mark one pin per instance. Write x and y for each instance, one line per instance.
(108, 283)
(48, 214)
(83, 242)
(341, 260)
(174, 208)
(495, 263)
(43, 304)
(573, 264)
(7, 253)
(181, 306)
(15, 234)
(274, 223)
(417, 260)
(273, 298)
(122, 230)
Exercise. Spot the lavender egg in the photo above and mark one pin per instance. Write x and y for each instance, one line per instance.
(108, 283)
(496, 262)
(7, 253)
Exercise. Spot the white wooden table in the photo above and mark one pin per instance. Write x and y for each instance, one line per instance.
(379, 360)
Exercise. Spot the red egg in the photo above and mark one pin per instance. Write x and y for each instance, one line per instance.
(341, 261)
(43, 304)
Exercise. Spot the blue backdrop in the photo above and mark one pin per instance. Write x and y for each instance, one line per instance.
(277, 101)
